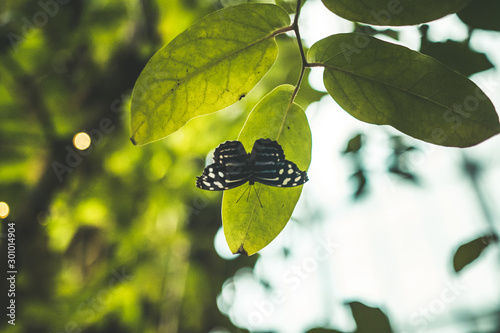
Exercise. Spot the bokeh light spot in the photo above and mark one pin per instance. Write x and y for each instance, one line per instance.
(81, 141)
(4, 210)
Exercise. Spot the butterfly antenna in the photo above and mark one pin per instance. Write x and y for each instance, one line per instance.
(256, 193)
(242, 195)
(248, 196)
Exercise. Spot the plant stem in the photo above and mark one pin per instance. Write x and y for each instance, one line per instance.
(295, 26)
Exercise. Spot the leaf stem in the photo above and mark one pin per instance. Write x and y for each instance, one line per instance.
(280, 31)
(305, 64)
(295, 27)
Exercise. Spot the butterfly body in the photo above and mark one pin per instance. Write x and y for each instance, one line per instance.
(266, 164)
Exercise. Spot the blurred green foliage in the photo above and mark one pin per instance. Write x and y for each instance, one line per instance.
(114, 238)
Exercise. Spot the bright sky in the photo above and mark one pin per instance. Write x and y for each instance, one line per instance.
(393, 249)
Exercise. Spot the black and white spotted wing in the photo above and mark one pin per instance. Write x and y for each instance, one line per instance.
(229, 170)
(271, 168)
(266, 164)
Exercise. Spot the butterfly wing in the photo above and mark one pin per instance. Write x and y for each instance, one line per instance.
(271, 168)
(215, 177)
(232, 151)
(229, 170)
(288, 175)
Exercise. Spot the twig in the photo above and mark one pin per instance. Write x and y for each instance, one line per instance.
(295, 26)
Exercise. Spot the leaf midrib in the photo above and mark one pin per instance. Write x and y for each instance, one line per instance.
(445, 108)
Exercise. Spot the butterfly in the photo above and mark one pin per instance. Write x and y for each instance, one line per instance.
(266, 164)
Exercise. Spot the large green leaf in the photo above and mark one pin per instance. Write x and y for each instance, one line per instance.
(248, 226)
(394, 12)
(387, 84)
(206, 68)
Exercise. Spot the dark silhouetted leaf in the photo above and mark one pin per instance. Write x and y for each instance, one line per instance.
(482, 14)
(354, 144)
(468, 252)
(361, 182)
(368, 30)
(323, 330)
(457, 56)
(403, 174)
(369, 320)
(399, 164)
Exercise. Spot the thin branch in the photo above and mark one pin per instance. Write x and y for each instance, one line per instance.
(295, 26)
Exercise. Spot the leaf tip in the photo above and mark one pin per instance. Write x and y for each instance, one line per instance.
(133, 141)
(241, 250)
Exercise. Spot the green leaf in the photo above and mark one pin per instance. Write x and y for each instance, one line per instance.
(248, 226)
(394, 12)
(386, 84)
(206, 68)
(468, 252)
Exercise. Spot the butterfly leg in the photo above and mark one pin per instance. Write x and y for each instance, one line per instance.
(257, 194)
(248, 195)
(243, 194)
